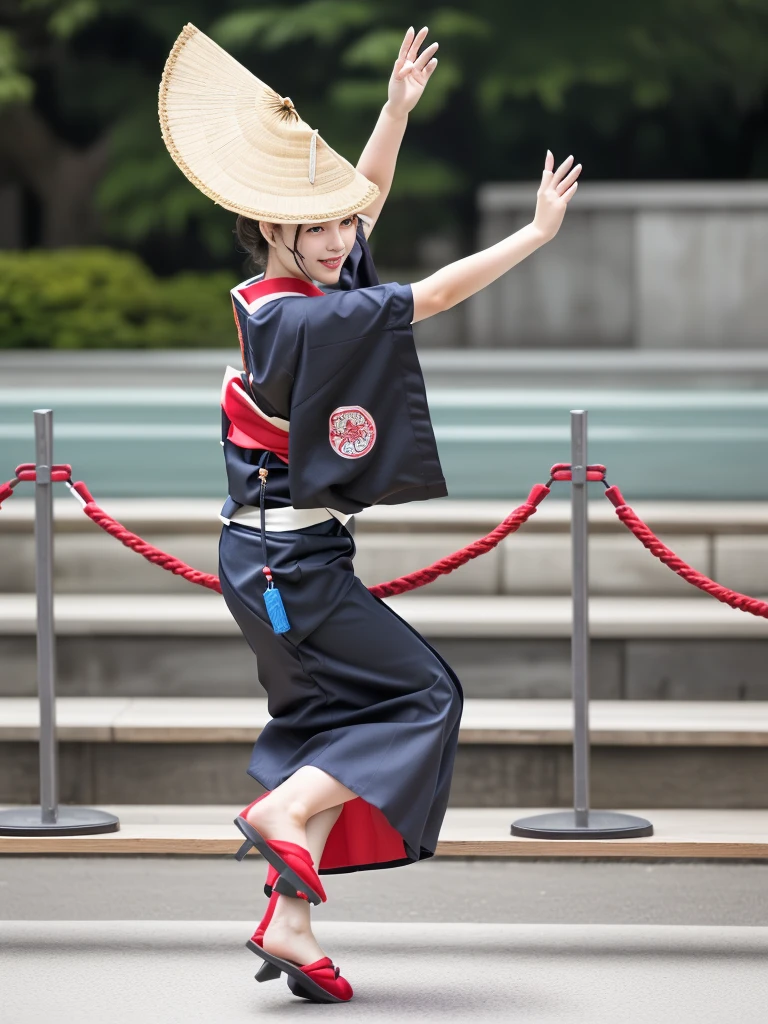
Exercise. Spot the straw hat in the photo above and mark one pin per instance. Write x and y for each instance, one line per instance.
(245, 146)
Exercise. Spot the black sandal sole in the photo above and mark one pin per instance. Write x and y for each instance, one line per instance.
(289, 883)
(298, 982)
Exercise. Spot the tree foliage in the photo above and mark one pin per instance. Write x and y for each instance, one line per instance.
(647, 90)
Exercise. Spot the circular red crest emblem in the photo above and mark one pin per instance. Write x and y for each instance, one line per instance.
(352, 432)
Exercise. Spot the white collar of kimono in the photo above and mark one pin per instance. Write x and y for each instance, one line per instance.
(251, 297)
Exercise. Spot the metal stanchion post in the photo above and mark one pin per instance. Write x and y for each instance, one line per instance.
(580, 640)
(581, 822)
(48, 818)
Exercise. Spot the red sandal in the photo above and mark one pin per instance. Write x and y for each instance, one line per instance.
(318, 981)
(296, 875)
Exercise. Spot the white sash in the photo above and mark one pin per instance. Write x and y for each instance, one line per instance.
(281, 520)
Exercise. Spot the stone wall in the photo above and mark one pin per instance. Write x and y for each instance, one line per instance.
(635, 265)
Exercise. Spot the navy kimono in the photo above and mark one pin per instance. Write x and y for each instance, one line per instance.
(332, 403)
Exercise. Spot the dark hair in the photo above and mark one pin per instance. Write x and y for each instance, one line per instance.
(250, 237)
(255, 244)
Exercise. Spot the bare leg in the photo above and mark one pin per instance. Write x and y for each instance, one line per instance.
(285, 812)
(289, 933)
(318, 829)
(300, 810)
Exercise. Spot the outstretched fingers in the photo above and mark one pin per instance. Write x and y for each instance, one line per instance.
(425, 56)
(418, 39)
(566, 184)
(405, 45)
(569, 193)
(409, 59)
(546, 175)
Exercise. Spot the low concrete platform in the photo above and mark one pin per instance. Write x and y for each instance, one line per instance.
(466, 832)
(198, 972)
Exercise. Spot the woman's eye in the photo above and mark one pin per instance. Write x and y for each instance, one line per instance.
(317, 227)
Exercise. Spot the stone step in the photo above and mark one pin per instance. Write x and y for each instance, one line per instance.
(199, 612)
(492, 667)
(466, 832)
(726, 541)
(187, 645)
(673, 754)
(516, 722)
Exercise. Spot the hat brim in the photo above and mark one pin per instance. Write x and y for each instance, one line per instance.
(225, 132)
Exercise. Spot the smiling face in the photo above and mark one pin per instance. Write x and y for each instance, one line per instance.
(324, 247)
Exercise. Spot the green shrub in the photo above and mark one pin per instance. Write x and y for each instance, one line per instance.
(102, 298)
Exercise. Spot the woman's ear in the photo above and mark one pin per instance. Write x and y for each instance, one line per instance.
(268, 231)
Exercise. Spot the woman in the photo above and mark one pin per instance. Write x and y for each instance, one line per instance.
(357, 758)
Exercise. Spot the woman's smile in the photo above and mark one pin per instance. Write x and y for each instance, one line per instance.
(332, 263)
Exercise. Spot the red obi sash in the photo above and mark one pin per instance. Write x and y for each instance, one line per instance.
(249, 427)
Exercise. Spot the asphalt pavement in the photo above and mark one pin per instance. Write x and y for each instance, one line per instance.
(200, 973)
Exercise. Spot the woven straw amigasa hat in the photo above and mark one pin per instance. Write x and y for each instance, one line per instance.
(245, 146)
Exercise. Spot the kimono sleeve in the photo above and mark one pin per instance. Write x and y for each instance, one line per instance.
(360, 429)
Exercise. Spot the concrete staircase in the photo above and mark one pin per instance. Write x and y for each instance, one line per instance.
(644, 753)
(159, 692)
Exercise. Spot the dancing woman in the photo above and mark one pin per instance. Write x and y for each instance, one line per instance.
(327, 417)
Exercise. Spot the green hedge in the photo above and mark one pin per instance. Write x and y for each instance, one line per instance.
(102, 298)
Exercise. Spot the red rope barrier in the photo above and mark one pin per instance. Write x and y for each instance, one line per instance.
(142, 547)
(420, 578)
(511, 524)
(648, 539)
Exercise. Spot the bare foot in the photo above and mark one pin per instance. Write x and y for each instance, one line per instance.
(284, 939)
(276, 820)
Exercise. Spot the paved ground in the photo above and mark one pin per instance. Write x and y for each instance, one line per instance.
(190, 972)
(480, 890)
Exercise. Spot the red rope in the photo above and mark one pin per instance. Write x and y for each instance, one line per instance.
(648, 539)
(420, 578)
(511, 524)
(142, 547)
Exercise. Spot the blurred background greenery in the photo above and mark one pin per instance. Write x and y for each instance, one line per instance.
(664, 89)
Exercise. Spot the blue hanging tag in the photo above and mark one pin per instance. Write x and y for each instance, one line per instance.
(272, 599)
(276, 610)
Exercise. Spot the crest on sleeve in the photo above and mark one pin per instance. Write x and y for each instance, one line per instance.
(352, 432)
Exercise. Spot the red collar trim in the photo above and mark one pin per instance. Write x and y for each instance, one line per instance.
(260, 289)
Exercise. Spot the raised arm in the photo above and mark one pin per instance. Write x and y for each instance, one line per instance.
(410, 74)
(457, 281)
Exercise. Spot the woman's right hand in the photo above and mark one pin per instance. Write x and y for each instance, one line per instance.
(457, 281)
(554, 193)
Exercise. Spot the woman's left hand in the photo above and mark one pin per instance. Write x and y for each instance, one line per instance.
(411, 72)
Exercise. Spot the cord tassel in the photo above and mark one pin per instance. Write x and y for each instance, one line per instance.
(272, 598)
(276, 609)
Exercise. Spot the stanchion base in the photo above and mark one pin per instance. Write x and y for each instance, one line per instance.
(71, 821)
(600, 825)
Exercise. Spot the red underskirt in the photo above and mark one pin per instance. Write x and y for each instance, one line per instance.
(360, 836)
